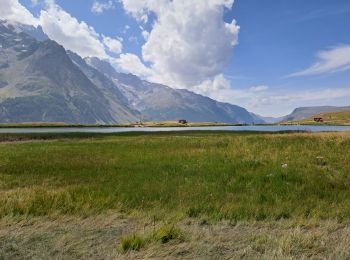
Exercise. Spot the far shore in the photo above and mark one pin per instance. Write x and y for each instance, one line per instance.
(155, 124)
(134, 124)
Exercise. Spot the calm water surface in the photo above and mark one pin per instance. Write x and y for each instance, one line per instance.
(274, 128)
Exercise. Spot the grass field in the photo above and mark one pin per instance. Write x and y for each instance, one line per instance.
(330, 118)
(270, 182)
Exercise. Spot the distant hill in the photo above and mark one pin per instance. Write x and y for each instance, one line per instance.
(329, 118)
(266, 120)
(302, 113)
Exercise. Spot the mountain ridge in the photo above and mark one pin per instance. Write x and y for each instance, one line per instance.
(158, 102)
(39, 82)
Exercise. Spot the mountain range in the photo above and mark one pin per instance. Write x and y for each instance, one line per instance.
(40, 81)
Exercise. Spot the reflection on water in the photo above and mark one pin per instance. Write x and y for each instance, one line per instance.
(274, 128)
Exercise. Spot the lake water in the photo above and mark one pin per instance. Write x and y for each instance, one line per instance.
(274, 128)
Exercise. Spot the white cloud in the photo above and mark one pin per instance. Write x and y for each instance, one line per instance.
(145, 35)
(217, 84)
(131, 63)
(286, 101)
(113, 45)
(266, 101)
(100, 7)
(65, 29)
(189, 42)
(141, 8)
(260, 88)
(12, 10)
(333, 60)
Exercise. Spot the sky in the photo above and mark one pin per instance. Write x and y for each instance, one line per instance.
(268, 56)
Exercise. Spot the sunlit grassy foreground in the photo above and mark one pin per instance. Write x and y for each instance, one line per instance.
(234, 176)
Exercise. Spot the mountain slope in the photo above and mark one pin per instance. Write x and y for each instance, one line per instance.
(119, 106)
(39, 82)
(157, 102)
(306, 112)
(328, 118)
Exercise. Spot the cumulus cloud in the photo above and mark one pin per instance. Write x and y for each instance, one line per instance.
(189, 42)
(100, 7)
(140, 9)
(65, 29)
(113, 45)
(332, 60)
(218, 84)
(12, 10)
(131, 63)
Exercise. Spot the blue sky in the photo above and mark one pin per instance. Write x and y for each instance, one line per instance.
(278, 55)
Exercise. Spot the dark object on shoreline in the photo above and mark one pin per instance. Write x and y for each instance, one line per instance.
(183, 121)
(318, 119)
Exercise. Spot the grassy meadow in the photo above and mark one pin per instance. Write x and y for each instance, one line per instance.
(208, 178)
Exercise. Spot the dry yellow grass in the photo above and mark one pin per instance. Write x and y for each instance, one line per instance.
(99, 237)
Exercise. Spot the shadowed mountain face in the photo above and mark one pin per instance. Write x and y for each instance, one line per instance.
(160, 103)
(39, 82)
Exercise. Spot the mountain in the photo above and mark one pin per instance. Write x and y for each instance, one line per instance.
(302, 113)
(39, 82)
(118, 103)
(157, 102)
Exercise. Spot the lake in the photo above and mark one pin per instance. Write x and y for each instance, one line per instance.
(267, 128)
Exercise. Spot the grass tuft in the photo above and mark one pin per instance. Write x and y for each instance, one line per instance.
(167, 233)
(132, 243)
(163, 235)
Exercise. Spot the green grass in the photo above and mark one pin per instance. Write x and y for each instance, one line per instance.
(132, 243)
(163, 235)
(212, 176)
